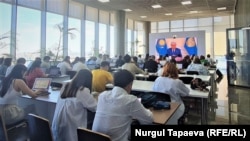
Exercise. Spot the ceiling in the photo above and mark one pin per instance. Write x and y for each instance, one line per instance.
(205, 8)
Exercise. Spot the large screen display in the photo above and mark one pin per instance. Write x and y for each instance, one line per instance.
(176, 46)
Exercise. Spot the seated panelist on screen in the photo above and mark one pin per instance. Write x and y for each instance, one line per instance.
(173, 50)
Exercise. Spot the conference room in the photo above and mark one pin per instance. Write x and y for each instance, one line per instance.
(83, 28)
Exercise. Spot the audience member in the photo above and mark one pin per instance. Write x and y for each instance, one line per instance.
(119, 62)
(151, 65)
(197, 66)
(77, 59)
(72, 105)
(170, 84)
(45, 64)
(65, 65)
(12, 87)
(34, 72)
(19, 61)
(80, 64)
(101, 77)
(130, 66)
(117, 108)
(3, 67)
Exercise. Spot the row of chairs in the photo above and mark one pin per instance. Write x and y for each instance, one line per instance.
(40, 130)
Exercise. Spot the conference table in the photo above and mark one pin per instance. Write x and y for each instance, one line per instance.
(146, 86)
(44, 106)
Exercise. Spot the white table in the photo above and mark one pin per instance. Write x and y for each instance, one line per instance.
(205, 78)
(140, 85)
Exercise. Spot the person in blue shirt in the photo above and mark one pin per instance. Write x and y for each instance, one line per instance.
(190, 46)
(161, 47)
(174, 51)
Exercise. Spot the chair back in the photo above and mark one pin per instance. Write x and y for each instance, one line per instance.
(3, 131)
(186, 79)
(152, 77)
(84, 134)
(39, 128)
(71, 73)
(193, 72)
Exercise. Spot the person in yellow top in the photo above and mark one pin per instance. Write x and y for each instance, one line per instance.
(101, 77)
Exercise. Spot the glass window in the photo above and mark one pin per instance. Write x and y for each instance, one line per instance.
(129, 43)
(177, 24)
(163, 25)
(102, 38)
(163, 30)
(153, 27)
(191, 23)
(54, 37)
(176, 29)
(90, 49)
(205, 22)
(28, 33)
(112, 42)
(191, 29)
(74, 38)
(5, 28)
(224, 20)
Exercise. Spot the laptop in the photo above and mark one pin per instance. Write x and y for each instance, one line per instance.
(42, 83)
(54, 72)
(179, 66)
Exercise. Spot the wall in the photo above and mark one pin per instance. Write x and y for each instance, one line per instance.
(242, 13)
(200, 35)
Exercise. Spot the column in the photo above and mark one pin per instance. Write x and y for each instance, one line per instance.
(120, 30)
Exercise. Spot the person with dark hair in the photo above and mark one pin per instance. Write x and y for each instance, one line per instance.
(77, 59)
(65, 65)
(151, 65)
(117, 108)
(11, 88)
(170, 84)
(80, 64)
(101, 77)
(197, 66)
(45, 64)
(130, 66)
(119, 62)
(34, 72)
(3, 67)
(72, 106)
(19, 61)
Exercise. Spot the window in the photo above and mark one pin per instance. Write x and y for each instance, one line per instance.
(102, 38)
(74, 38)
(28, 33)
(54, 36)
(90, 49)
(5, 28)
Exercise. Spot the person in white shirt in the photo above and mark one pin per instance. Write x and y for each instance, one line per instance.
(65, 65)
(45, 64)
(80, 65)
(116, 109)
(197, 66)
(170, 84)
(72, 105)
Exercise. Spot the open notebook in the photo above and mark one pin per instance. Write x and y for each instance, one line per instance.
(42, 83)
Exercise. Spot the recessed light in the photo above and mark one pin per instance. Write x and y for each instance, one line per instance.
(221, 8)
(193, 12)
(143, 16)
(127, 10)
(156, 6)
(103, 1)
(186, 2)
(169, 14)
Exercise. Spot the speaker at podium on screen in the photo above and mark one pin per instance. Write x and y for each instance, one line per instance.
(161, 46)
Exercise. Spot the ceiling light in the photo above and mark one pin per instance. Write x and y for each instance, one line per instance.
(156, 6)
(143, 16)
(127, 10)
(193, 12)
(186, 2)
(221, 8)
(169, 14)
(103, 1)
